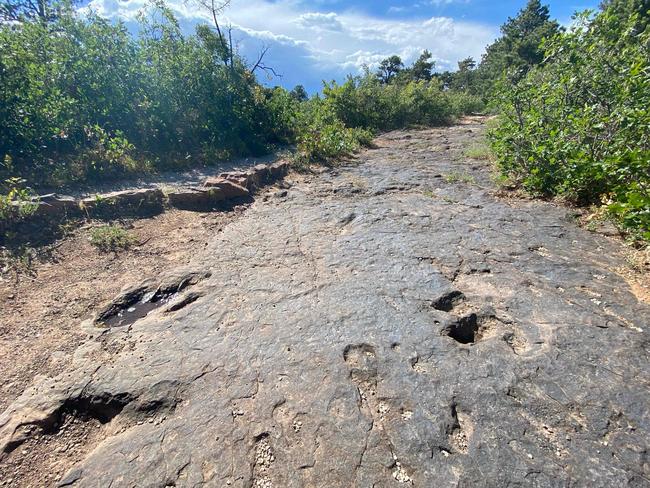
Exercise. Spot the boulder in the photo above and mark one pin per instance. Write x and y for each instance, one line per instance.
(55, 205)
(240, 177)
(229, 188)
(279, 169)
(200, 199)
(51, 206)
(262, 174)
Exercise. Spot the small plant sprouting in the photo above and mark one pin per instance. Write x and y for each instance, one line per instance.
(478, 151)
(109, 238)
(455, 177)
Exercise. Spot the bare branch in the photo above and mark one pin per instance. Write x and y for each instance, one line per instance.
(268, 69)
(260, 59)
(232, 53)
(261, 66)
(214, 7)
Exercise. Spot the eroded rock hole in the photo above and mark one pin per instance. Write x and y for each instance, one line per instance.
(464, 329)
(140, 301)
(103, 408)
(362, 361)
(459, 430)
(138, 309)
(356, 354)
(448, 301)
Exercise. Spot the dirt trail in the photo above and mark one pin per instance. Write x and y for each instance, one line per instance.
(394, 322)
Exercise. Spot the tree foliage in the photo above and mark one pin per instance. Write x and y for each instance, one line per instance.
(520, 46)
(80, 98)
(578, 124)
(389, 68)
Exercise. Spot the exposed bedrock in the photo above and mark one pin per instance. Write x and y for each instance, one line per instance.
(378, 326)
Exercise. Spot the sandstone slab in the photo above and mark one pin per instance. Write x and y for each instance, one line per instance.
(227, 188)
(381, 327)
(199, 199)
(124, 203)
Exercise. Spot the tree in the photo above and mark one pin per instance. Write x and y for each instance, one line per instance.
(216, 8)
(27, 10)
(224, 38)
(624, 9)
(423, 66)
(299, 93)
(519, 49)
(577, 124)
(446, 79)
(464, 77)
(389, 68)
(466, 64)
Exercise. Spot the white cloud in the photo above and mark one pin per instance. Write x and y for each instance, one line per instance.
(317, 20)
(315, 44)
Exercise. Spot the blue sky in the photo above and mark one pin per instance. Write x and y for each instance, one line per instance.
(317, 40)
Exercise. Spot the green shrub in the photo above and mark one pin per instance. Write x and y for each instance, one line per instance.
(364, 101)
(15, 203)
(82, 99)
(579, 125)
(322, 136)
(111, 238)
(465, 103)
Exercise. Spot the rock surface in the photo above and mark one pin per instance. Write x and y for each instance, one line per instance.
(227, 188)
(381, 325)
(126, 202)
(195, 198)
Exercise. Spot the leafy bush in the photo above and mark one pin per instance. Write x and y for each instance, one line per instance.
(579, 124)
(322, 136)
(364, 101)
(109, 238)
(15, 199)
(82, 99)
(16, 203)
(15, 206)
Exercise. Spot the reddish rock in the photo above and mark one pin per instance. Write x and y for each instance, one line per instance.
(228, 188)
(279, 169)
(263, 173)
(240, 177)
